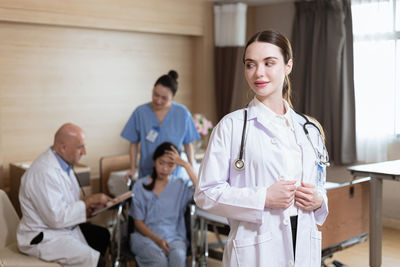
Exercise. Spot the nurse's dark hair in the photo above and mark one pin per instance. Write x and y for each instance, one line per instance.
(160, 151)
(169, 80)
(278, 39)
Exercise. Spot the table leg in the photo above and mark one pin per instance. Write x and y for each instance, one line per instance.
(193, 234)
(206, 242)
(375, 223)
(203, 242)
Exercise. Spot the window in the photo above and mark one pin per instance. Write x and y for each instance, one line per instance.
(376, 30)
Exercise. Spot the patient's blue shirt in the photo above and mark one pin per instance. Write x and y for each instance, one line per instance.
(163, 214)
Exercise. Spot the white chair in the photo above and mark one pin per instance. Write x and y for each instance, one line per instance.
(9, 253)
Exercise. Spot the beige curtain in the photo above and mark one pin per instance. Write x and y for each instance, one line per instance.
(378, 87)
(323, 79)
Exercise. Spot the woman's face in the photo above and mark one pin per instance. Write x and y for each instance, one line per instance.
(265, 70)
(161, 97)
(164, 166)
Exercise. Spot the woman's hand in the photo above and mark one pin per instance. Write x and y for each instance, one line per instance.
(307, 197)
(280, 195)
(164, 245)
(142, 228)
(174, 155)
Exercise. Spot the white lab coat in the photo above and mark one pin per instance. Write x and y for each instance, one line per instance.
(259, 236)
(50, 204)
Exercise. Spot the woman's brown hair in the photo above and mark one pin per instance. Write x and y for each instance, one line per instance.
(276, 38)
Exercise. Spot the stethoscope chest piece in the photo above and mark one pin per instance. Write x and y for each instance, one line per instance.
(238, 165)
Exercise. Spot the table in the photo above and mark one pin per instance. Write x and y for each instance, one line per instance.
(387, 170)
(200, 245)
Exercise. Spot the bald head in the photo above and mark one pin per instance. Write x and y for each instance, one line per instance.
(69, 143)
(66, 132)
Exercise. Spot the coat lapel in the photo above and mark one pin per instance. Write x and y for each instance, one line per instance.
(254, 114)
(304, 144)
(70, 180)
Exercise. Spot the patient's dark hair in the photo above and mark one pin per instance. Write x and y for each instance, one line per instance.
(169, 80)
(160, 151)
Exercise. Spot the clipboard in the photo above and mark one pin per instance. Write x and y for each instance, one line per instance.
(116, 201)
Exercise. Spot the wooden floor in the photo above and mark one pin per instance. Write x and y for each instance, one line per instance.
(358, 256)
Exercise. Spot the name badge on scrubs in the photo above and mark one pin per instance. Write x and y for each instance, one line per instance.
(152, 134)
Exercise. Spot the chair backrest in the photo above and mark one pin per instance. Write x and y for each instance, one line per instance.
(8, 220)
(110, 164)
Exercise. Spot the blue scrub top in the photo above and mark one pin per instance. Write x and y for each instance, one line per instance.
(163, 214)
(177, 127)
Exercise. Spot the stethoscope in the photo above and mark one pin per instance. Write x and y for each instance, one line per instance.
(322, 158)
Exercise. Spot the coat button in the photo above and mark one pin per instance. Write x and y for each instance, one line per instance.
(286, 221)
(274, 141)
(281, 177)
(291, 263)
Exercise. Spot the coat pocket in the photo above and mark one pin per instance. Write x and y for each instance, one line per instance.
(254, 251)
(315, 250)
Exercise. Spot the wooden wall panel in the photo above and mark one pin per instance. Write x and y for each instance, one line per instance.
(204, 68)
(159, 16)
(94, 78)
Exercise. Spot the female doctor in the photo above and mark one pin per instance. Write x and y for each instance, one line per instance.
(264, 168)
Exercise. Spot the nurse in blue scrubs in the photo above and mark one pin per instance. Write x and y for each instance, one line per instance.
(159, 121)
(158, 211)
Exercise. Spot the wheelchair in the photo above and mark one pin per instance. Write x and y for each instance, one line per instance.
(120, 254)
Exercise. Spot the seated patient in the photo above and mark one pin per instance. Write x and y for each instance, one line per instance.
(159, 204)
